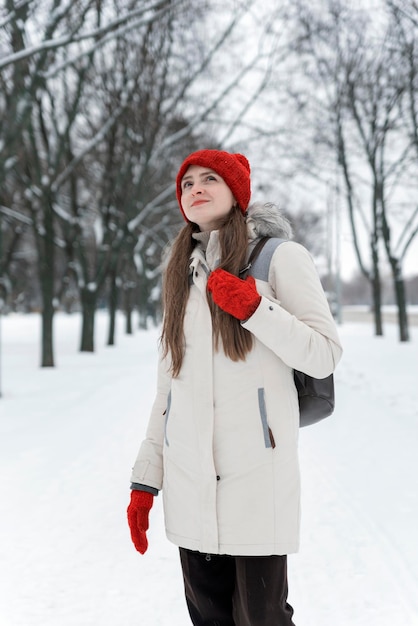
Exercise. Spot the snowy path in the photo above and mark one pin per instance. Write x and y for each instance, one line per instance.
(68, 438)
(359, 551)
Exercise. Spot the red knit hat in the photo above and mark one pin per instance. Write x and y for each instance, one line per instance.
(233, 168)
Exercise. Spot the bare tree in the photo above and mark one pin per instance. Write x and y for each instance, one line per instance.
(42, 108)
(104, 99)
(130, 172)
(362, 91)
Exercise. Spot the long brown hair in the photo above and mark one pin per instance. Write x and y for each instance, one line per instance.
(227, 330)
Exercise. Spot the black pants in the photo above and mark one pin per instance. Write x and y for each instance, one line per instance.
(225, 590)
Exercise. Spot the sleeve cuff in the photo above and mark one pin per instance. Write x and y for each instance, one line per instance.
(140, 487)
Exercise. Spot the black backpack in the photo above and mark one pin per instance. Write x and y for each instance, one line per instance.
(316, 395)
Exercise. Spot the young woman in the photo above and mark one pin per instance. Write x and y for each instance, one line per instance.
(222, 437)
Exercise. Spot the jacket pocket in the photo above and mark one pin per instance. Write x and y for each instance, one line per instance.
(167, 413)
(268, 435)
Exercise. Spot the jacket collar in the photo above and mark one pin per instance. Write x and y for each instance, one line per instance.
(207, 250)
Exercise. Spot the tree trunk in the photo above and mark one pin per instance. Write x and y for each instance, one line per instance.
(47, 350)
(46, 274)
(113, 305)
(398, 281)
(128, 310)
(376, 293)
(399, 288)
(88, 305)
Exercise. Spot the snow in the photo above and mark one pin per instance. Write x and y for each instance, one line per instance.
(68, 439)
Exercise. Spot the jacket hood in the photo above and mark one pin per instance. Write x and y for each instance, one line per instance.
(266, 220)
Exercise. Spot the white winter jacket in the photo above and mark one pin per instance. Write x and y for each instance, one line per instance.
(222, 437)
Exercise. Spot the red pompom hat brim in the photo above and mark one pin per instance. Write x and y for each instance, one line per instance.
(233, 168)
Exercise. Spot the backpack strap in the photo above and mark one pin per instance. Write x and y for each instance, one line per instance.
(260, 258)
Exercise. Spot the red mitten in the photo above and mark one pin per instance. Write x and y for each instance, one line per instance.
(235, 296)
(138, 512)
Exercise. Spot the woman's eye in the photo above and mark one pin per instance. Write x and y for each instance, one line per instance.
(186, 184)
(210, 177)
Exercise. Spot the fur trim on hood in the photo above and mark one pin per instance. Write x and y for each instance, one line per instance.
(266, 220)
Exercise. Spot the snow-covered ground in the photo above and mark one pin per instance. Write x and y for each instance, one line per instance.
(68, 438)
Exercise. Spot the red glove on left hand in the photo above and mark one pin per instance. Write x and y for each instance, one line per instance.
(232, 294)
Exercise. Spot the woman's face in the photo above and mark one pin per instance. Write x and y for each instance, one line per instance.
(206, 199)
